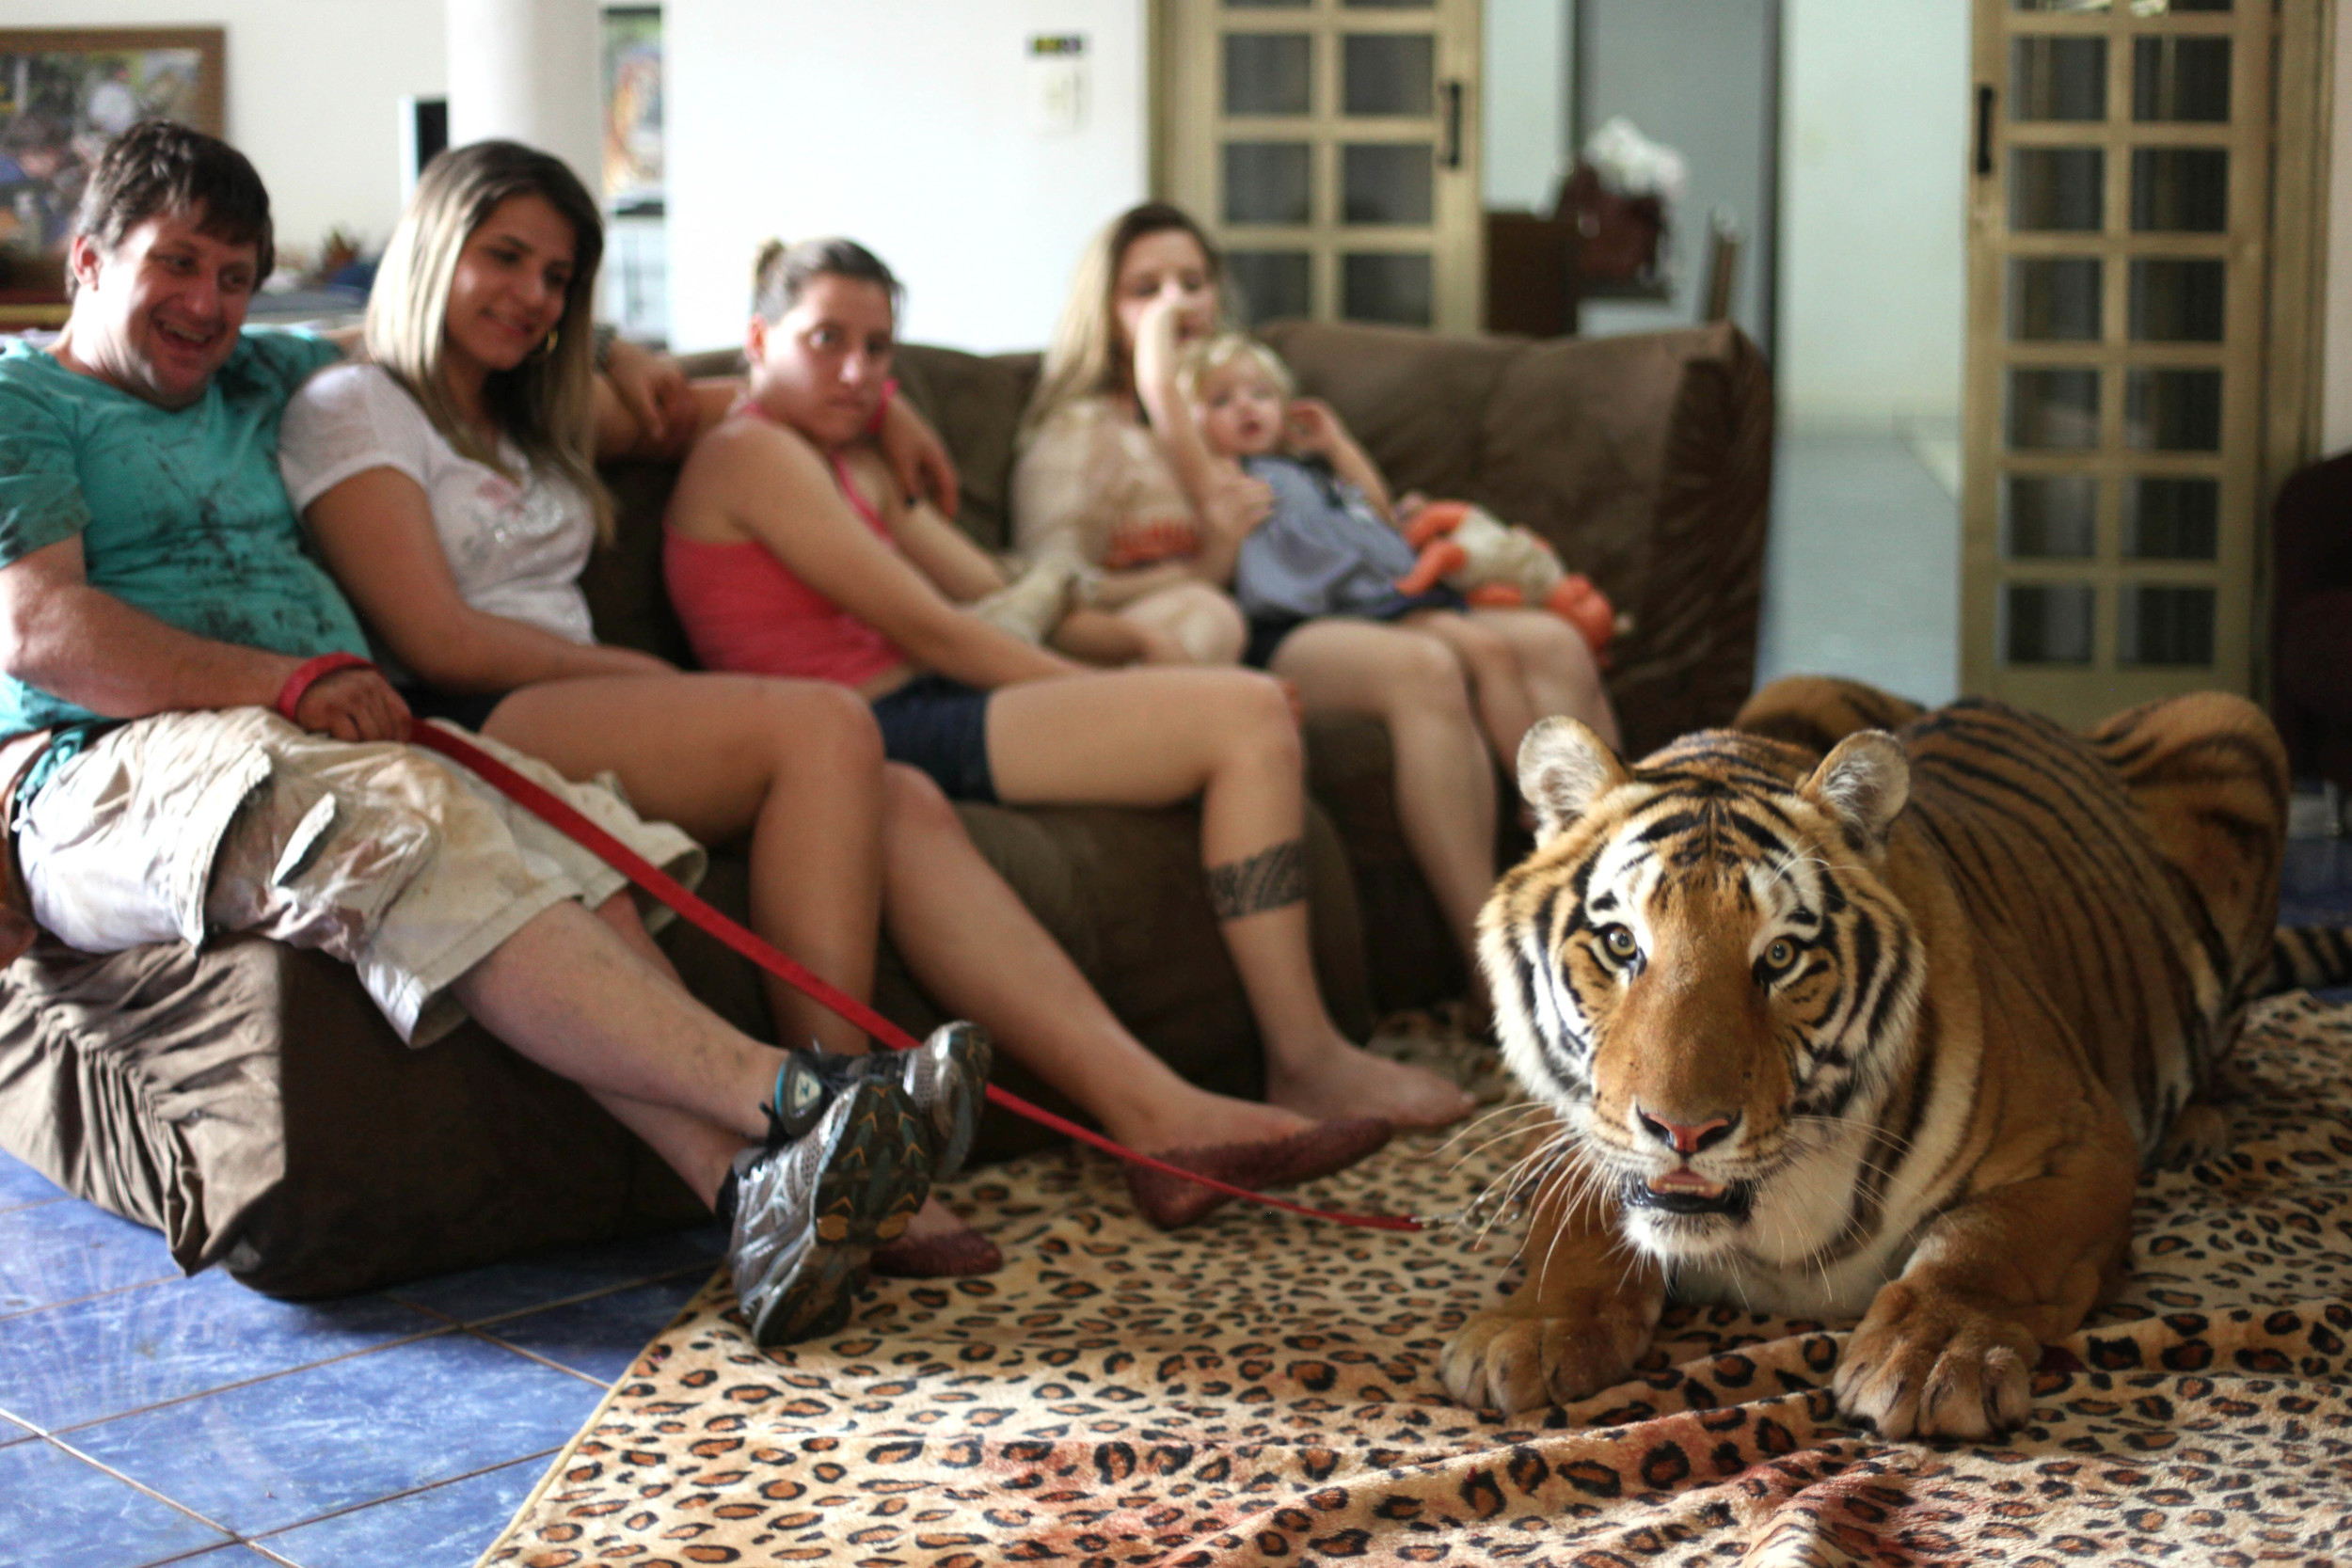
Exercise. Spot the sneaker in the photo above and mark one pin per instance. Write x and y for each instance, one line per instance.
(947, 1078)
(841, 1173)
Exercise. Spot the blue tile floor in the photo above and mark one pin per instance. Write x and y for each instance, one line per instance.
(149, 1418)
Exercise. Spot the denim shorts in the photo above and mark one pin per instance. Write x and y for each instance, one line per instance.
(940, 726)
(1267, 631)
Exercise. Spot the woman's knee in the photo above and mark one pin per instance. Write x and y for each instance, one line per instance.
(1485, 653)
(817, 726)
(1254, 715)
(1423, 674)
(914, 806)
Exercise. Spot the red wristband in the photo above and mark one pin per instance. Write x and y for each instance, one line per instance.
(308, 675)
(881, 410)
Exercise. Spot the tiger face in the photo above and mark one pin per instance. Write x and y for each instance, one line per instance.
(1701, 973)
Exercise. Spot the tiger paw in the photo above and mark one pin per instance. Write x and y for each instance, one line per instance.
(1526, 1358)
(1924, 1364)
(2199, 1134)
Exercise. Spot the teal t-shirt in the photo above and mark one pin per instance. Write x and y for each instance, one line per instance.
(181, 512)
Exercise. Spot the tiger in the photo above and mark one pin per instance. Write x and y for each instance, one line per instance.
(1858, 1010)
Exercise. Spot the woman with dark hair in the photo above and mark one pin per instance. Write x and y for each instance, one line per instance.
(449, 483)
(1091, 482)
(791, 553)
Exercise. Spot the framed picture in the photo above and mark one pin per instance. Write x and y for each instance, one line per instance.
(64, 93)
(632, 108)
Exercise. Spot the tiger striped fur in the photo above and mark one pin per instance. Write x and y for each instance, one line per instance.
(1838, 1024)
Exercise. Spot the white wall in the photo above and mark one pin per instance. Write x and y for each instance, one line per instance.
(1524, 107)
(1873, 239)
(905, 124)
(315, 90)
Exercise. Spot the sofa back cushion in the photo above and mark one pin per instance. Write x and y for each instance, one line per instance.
(975, 402)
(1415, 400)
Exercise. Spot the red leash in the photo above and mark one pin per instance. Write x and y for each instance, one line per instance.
(560, 815)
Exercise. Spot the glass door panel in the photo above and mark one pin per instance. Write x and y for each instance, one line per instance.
(2050, 518)
(2061, 189)
(2054, 299)
(2058, 78)
(2116, 231)
(2180, 190)
(1327, 145)
(1269, 73)
(2177, 299)
(1389, 73)
(2181, 79)
(1269, 183)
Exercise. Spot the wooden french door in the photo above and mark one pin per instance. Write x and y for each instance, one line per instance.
(2121, 301)
(1331, 148)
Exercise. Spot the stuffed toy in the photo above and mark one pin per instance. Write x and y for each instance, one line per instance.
(1494, 563)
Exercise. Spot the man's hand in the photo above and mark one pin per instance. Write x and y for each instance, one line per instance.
(656, 394)
(354, 705)
(918, 458)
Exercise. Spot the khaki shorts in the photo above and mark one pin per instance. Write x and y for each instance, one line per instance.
(402, 864)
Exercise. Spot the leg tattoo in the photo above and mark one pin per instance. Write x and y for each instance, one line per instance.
(1272, 878)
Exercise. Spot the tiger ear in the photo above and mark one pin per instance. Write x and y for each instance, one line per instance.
(1863, 784)
(1564, 767)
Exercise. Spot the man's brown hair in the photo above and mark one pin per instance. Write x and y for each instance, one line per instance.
(158, 168)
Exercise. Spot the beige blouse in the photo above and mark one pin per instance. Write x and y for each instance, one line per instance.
(1093, 481)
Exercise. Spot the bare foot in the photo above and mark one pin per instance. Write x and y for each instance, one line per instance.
(1195, 1119)
(933, 1219)
(1345, 1080)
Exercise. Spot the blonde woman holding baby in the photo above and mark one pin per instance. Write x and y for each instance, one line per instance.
(1092, 480)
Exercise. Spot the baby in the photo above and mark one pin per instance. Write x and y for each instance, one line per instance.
(1318, 540)
(1224, 409)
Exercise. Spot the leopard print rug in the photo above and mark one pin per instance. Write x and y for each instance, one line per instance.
(1261, 1388)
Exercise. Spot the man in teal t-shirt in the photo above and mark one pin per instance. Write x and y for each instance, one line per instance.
(177, 511)
(156, 606)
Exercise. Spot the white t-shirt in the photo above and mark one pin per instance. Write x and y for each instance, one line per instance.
(514, 550)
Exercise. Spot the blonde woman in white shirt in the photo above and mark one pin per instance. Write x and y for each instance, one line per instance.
(448, 485)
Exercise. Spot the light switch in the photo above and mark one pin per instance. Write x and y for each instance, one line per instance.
(1057, 81)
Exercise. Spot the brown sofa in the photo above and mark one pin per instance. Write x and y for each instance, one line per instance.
(247, 1101)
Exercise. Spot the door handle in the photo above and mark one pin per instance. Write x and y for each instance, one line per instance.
(1451, 156)
(1984, 129)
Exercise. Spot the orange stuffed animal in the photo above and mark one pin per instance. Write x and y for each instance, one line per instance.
(1494, 563)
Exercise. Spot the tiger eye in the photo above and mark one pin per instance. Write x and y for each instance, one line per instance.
(1620, 943)
(1781, 954)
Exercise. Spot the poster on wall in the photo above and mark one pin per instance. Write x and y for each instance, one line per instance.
(632, 109)
(64, 94)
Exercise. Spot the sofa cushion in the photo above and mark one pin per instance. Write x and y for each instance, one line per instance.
(1416, 401)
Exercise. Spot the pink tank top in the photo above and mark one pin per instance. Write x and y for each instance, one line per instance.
(749, 613)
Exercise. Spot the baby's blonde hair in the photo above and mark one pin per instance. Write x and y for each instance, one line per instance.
(1212, 355)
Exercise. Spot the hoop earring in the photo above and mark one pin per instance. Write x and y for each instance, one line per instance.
(547, 350)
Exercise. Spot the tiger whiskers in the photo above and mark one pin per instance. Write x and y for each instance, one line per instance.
(1521, 1110)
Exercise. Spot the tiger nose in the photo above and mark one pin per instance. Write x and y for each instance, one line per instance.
(1687, 1138)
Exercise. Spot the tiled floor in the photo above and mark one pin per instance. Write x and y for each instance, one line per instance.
(146, 1419)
